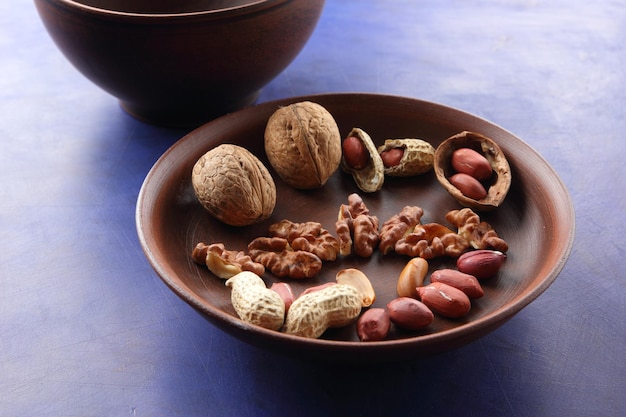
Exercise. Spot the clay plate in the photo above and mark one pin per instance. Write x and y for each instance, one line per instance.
(537, 221)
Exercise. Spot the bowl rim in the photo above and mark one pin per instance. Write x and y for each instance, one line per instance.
(242, 329)
(250, 7)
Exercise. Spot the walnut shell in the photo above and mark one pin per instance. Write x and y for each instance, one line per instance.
(417, 158)
(497, 185)
(372, 177)
(234, 186)
(303, 144)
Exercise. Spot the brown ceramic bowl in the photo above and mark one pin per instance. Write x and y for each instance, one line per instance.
(180, 62)
(536, 219)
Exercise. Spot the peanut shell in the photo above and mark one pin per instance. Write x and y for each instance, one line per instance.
(418, 157)
(370, 178)
(312, 314)
(360, 281)
(254, 302)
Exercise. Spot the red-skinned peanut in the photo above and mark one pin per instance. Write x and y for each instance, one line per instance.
(373, 325)
(317, 288)
(468, 185)
(445, 300)
(392, 157)
(482, 263)
(286, 293)
(355, 153)
(460, 280)
(409, 313)
(472, 163)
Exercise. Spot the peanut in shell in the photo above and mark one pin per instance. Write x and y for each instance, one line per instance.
(418, 157)
(369, 178)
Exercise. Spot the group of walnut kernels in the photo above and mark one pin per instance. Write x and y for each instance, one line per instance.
(304, 147)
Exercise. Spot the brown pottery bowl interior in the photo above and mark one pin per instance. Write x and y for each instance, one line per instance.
(180, 62)
(536, 219)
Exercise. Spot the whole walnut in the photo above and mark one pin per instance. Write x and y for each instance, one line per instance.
(303, 144)
(234, 185)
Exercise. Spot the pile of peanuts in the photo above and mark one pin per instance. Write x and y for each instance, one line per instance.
(448, 294)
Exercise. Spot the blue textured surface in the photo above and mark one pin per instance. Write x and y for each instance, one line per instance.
(88, 329)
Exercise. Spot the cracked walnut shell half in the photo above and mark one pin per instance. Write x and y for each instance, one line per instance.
(496, 185)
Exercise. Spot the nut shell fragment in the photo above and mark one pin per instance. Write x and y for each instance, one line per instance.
(497, 186)
(418, 157)
(370, 178)
(360, 281)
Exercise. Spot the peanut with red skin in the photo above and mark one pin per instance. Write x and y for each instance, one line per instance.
(317, 288)
(468, 185)
(472, 163)
(409, 313)
(392, 157)
(286, 293)
(445, 300)
(460, 280)
(373, 325)
(482, 263)
(355, 154)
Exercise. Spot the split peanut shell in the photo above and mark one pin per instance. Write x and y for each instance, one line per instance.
(370, 178)
(418, 157)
